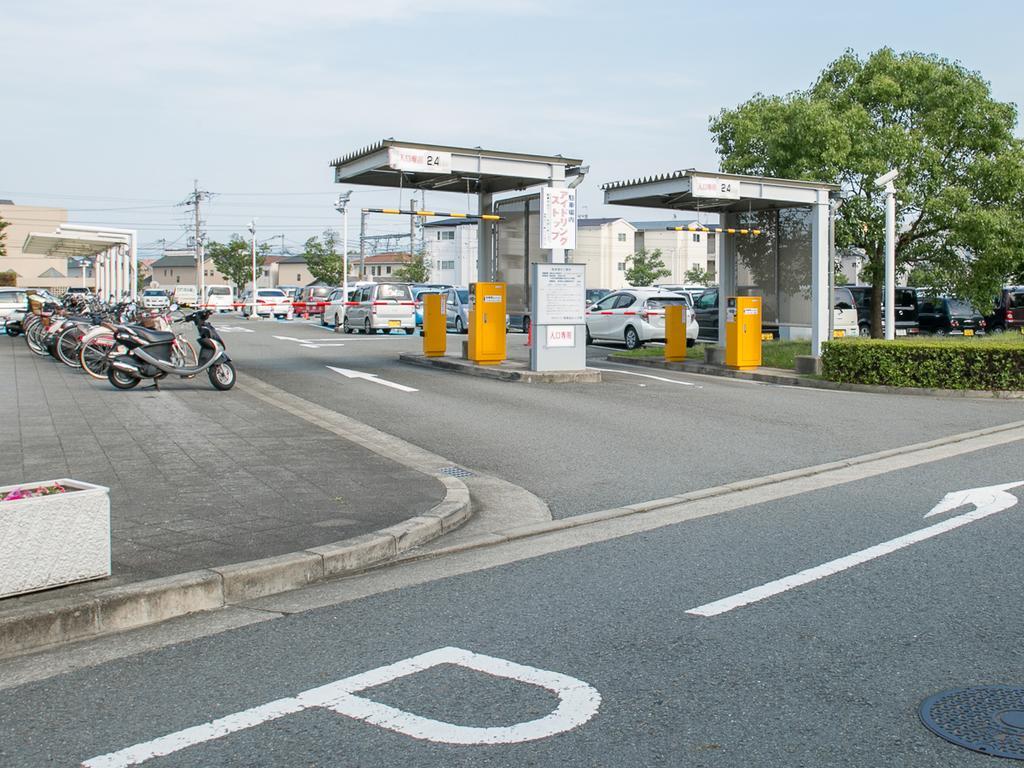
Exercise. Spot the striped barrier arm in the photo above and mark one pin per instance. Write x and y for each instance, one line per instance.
(400, 212)
(716, 230)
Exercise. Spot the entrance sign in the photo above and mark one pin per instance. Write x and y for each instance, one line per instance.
(557, 217)
(578, 703)
(561, 295)
(419, 160)
(723, 189)
(986, 501)
(560, 336)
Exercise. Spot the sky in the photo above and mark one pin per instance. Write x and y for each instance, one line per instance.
(113, 108)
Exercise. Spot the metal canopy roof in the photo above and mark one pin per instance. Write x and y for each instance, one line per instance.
(473, 169)
(72, 246)
(676, 190)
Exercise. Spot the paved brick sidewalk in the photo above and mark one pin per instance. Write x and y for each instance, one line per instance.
(197, 478)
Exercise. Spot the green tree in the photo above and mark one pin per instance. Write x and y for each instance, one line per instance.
(3, 237)
(323, 259)
(8, 278)
(697, 275)
(960, 191)
(234, 259)
(643, 267)
(417, 270)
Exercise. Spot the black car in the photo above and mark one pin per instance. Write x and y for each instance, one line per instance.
(906, 310)
(705, 307)
(953, 317)
(1008, 311)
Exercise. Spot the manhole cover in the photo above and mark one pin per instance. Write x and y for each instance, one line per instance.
(987, 719)
(456, 472)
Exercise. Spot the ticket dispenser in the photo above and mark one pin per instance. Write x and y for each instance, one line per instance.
(435, 335)
(743, 332)
(675, 333)
(487, 311)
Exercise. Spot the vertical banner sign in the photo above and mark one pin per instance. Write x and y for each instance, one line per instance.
(558, 218)
(419, 160)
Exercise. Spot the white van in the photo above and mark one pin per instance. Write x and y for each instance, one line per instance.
(844, 313)
(220, 298)
(186, 295)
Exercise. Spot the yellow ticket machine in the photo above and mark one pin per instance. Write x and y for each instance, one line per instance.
(743, 332)
(487, 311)
(675, 333)
(435, 335)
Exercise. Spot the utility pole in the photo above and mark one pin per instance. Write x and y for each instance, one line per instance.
(195, 199)
(252, 234)
(341, 206)
(412, 227)
(362, 246)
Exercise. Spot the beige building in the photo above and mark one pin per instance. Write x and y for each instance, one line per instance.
(681, 251)
(36, 271)
(381, 267)
(603, 245)
(178, 267)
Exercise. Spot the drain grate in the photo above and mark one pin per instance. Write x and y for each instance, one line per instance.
(987, 719)
(456, 472)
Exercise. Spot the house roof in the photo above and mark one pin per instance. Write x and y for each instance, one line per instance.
(173, 260)
(388, 258)
(300, 259)
(596, 222)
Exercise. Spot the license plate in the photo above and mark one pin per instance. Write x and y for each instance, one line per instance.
(394, 323)
(838, 334)
(968, 332)
(901, 331)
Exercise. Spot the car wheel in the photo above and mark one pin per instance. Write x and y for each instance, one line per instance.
(864, 332)
(323, 321)
(590, 339)
(366, 327)
(526, 325)
(691, 342)
(337, 321)
(346, 327)
(997, 329)
(632, 338)
(940, 331)
(409, 331)
(458, 325)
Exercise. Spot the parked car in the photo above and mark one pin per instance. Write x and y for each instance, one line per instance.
(335, 309)
(13, 301)
(269, 301)
(1008, 311)
(313, 299)
(693, 291)
(381, 307)
(155, 298)
(186, 295)
(292, 291)
(906, 310)
(635, 316)
(845, 318)
(596, 294)
(705, 308)
(954, 317)
(220, 298)
(80, 291)
(456, 310)
(418, 291)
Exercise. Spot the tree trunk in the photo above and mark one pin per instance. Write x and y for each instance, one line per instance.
(877, 272)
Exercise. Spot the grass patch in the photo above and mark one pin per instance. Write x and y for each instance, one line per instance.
(695, 352)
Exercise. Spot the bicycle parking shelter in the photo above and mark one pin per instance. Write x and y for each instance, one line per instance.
(112, 251)
(786, 262)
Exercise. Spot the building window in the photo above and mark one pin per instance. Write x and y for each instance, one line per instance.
(711, 245)
(448, 265)
(449, 235)
(622, 237)
(389, 269)
(696, 237)
(165, 273)
(298, 277)
(177, 278)
(711, 269)
(622, 266)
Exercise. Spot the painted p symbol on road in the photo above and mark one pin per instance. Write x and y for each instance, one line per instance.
(578, 703)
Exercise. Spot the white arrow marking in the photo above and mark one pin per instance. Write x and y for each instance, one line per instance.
(987, 501)
(349, 374)
(578, 703)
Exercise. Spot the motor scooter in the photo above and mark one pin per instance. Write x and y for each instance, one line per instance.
(149, 353)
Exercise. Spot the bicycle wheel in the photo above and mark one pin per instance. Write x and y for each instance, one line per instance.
(183, 354)
(35, 338)
(93, 355)
(68, 344)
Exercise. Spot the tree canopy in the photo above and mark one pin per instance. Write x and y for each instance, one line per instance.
(960, 190)
(644, 267)
(234, 259)
(323, 259)
(417, 270)
(3, 236)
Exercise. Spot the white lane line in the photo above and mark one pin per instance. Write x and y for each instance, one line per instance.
(350, 374)
(578, 703)
(988, 501)
(644, 375)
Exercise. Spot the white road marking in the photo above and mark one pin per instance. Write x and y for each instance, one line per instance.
(233, 329)
(312, 343)
(350, 374)
(645, 375)
(987, 501)
(578, 703)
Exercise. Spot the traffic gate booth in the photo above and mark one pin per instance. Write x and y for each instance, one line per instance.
(771, 241)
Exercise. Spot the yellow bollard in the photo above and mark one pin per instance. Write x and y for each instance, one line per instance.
(487, 343)
(743, 332)
(435, 335)
(675, 333)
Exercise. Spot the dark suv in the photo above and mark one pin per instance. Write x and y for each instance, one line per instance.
(906, 310)
(954, 317)
(1008, 312)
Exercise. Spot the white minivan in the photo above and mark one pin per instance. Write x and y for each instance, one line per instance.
(381, 307)
(220, 298)
(186, 295)
(844, 313)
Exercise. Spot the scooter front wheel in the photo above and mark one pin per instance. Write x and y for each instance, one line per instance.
(222, 375)
(120, 379)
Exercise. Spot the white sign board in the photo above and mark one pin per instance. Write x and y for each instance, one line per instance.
(557, 217)
(419, 160)
(723, 189)
(561, 298)
(560, 336)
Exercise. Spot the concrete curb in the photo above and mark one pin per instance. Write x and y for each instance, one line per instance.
(507, 371)
(779, 376)
(116, 609)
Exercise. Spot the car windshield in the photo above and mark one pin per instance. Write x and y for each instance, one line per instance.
(1015, 300)
(393, 293)
(463, 296)
(668, 301)
(320, 291)
(153, 293)
(219, 291)
(960, 308)
(272, 293)
(15, 297)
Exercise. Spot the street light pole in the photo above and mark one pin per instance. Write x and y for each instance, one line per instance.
(885, 181)
(341, 206)
(252, 233)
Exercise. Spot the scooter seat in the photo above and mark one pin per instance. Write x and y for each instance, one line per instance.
(153, 337)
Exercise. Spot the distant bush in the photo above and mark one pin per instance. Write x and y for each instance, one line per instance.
(8, 278)
(982, 364)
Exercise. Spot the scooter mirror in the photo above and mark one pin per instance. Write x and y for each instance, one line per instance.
(174, 307)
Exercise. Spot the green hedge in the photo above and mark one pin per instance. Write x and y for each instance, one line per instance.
(982, 364)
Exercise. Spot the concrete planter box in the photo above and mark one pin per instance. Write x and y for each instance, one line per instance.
(48, 541)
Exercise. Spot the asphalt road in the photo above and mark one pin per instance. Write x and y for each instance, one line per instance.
(827, 674)
(639, 435)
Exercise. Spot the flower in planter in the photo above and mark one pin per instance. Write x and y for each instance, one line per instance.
(28, 493)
